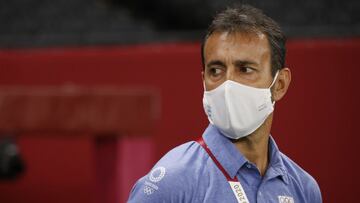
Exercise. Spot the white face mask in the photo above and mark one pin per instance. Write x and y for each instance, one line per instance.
(238, 110)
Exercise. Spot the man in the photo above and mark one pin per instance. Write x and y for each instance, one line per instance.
(236, 159)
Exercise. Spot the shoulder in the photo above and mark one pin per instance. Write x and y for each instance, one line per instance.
(303, 180)
(173, 178)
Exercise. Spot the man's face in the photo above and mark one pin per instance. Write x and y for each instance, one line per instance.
(243, 58)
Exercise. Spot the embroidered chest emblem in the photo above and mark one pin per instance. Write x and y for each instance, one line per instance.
(155, 176)
(285, 199)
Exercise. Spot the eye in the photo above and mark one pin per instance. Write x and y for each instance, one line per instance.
(245, 69)
(213, 71)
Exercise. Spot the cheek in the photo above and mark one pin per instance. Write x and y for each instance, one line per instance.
(247, 78)
(210, 85)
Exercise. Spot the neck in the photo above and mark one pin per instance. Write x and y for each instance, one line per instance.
(255, 147)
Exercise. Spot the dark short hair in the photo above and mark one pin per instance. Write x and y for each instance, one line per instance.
(247, 19)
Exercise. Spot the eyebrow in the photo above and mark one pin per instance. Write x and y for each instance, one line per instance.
(216, 63)
(237, 63)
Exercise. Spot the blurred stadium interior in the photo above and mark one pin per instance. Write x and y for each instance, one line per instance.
(90, 22)
(60, 54)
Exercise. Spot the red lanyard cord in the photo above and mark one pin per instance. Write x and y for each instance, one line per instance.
(217, 163)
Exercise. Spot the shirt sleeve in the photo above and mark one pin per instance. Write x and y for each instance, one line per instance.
(314, 192)
(172, 179)
(160, 185)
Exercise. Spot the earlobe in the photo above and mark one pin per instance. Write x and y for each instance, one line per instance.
(282, 84)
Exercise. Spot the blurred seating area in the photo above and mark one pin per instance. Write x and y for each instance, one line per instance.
(94, 92)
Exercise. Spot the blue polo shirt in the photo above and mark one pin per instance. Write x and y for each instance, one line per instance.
(188, 174)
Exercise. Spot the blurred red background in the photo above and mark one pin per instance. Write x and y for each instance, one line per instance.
(315, 124)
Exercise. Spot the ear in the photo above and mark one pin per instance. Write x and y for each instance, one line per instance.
(282, 84)
(203, 76)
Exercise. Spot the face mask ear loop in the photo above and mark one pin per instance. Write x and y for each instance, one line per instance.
(273, 82)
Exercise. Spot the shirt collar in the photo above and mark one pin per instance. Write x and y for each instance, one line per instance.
(276, 166)
(232, 160)
(224, 150)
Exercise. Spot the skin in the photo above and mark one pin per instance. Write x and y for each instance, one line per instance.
(245, 58)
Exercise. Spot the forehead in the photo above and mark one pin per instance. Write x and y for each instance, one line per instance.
(238, 46)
